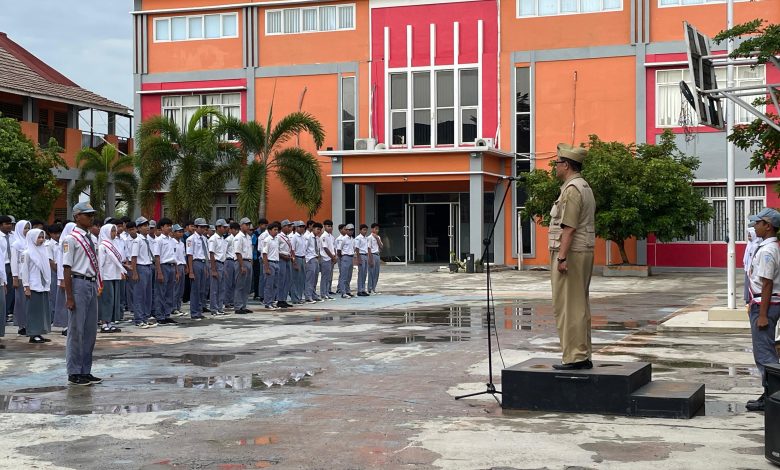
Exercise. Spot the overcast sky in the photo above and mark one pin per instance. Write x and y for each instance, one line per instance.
(89, 41)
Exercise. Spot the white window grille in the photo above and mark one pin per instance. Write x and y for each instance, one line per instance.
(310, 19)
(196, 27)
(530, 8)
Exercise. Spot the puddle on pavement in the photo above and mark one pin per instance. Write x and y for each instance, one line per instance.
(42, 389)
(26, 404)
(238, 382)
(205, 360)
(721, 408)
(423, 339)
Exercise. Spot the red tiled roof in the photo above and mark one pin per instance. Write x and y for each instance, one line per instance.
(24, 74)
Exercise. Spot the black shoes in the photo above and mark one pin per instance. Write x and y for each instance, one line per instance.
(756, 405)
(37, 339)
(586, 364)
(363, 294)
(283, 304)
(22, 332)
(240, 311)
(92, 379)
(78, 380)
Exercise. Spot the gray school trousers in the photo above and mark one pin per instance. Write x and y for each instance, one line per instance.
(229, 283)
(198, 285)
(312, 274)
(298, 279)
(142, 294)
(217, 289)
(345, 274)
(243, 284)
(283, 279)
(179, 287)
(764, 351)
(326, 277)
(167, 290)
(2, 312)
(270, 282)
(82, 327)
(362, 272)
(373, 273)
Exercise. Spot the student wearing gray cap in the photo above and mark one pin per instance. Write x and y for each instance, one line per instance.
(229, 286)
(217, 257)
(299, 262)
(242, 245)
(165, 262)
(285, 264)
(181, 268)
(81, 278)
(142, 259)
(197, 254)
(328, 257)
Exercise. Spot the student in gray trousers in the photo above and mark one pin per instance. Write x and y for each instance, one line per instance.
(197, 254)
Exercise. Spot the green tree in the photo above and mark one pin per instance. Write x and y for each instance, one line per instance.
(28, 188)
(638, 190)
(762, 42)
(98, 171)
(296, 168)
(193, 164)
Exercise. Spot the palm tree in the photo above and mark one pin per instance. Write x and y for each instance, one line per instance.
(98, 172)
(194, 165)
(296, 168)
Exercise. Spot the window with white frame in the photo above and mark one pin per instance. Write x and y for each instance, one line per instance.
(197, 27)
(669, 101)
(181, 108)
(434, 99)
(530, 8)
(523, 157)
(310, 19)
(677, 3)
(749, 200)
(348, 113)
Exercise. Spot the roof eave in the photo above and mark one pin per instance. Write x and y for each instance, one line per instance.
(111, 109)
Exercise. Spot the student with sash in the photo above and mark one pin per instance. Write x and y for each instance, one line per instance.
(82, 282)
(112, 271)
(35, 273)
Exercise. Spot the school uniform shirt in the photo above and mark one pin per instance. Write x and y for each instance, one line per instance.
(271, 248)
(327, 241)
(242, 243)
(218, 246)
(312, 246)
(197, 247)
(230, 252)
(261, 240)
(339, 243)
(142, 251)
(298, 244)
(6, 240)
(32, 276)
(766, 264)
(75, 256)
(110, 261)
(361, 243)
(285, 245)
(3, 278)
(181, 257)
(166, 249)
(373, 244)
(121, 246)
(348, 246)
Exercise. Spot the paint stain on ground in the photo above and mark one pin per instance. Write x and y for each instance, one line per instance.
(635, 451)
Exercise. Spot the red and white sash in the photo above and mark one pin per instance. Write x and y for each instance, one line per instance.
(91, 255)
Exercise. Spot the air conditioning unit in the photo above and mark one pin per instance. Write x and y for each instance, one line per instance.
(484, 142)
(380, 146)
(365, 144)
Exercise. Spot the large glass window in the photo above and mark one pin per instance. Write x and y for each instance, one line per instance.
(445, 107)
(749, 200)
(523, 154)
(348, 113)
(527, 8)
(196, 27)
(669, 101)
(469, 101)
(675, 3)
(398, 105)
(310, 19)
(180, 109)
(421, 85)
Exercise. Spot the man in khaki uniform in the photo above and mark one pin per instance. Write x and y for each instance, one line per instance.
(571, 241)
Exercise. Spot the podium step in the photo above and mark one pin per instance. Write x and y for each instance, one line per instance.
(607, 388)
(668, 400)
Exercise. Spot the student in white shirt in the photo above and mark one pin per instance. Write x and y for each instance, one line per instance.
(35, 273)
(299, 262)
(18, 245)
(327, 260)
(3, 287)
(286, 259)
(313, 262)
(6, 238)
(143, 258)
(166, 272)
(338, 244)
(270, 254)
(60, 312)
(181, 269)
(242, 246)
(53, 245)
(374, 248)
(217, 258)
(363, 261)
(112, 271)
(229, 286)
(346, 264)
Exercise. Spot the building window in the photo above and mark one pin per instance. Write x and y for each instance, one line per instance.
(351, 196)
(445, 107)
(310, 19)
(421, 102)
(398, 104)
(469, 102)
(677, 3)
(180, 109)
(348, 113)
(523, 155)
(529, 8)
(749, 200)
(669, 101)
(225, 207)
(197, 27)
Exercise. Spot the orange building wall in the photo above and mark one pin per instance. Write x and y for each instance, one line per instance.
(195, 55)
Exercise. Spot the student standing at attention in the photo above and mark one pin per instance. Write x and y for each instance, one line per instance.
(36, 280)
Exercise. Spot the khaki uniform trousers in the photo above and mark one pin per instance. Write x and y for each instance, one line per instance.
(571, 306)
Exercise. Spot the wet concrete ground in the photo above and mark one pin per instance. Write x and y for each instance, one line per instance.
(369, 383)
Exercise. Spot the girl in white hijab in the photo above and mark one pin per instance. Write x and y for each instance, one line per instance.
(17, 253)
(60, 312)
(112, 272)
(36, 278)
(753, 241)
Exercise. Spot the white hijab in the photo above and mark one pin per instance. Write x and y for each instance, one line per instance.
(20, 243)
(105, 239)
(63, 238)
(752, 244)
(38, 254)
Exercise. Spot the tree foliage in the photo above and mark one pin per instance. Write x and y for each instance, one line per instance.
(192, 164)
(762, 42)
(638, 189)
(266, 146)
(98, 170)
(27, 186)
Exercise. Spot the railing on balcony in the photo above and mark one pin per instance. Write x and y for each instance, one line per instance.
(45, 133)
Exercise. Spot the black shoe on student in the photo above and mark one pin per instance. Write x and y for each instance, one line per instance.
(332, 293)
(240, 311)
(22, 332)
(92, 379)
(206, 310)
(363, 294)
(64, 333)
(246, 310)
(283, 304)
(586, 364)
(78, 380)
(37, 339)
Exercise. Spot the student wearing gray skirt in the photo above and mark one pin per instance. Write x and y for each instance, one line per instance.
(36, 279)
(112, 272)
(17, 253)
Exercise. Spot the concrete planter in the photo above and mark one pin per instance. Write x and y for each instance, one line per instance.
(627, 270)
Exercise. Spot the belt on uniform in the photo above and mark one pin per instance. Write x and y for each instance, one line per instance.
(170, 264)
(220, 262)
(83, 277)
(272, 261)
(200, 260)
(299, 256)
(347, 256)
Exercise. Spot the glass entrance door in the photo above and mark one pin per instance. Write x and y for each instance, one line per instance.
(431, 231)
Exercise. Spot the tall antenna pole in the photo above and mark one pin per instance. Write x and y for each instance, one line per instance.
(730, 185)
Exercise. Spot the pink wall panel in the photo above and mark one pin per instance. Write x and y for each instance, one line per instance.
(151, 104)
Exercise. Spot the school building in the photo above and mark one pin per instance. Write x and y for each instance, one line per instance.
(430, 105)
(49, 105)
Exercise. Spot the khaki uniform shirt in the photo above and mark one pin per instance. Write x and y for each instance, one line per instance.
(575, 207)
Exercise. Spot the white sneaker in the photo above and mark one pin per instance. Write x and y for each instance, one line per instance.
(143, 325)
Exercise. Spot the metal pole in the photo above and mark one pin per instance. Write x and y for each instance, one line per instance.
(730, 186)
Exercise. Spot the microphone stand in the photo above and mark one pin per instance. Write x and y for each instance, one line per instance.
(491, 388)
